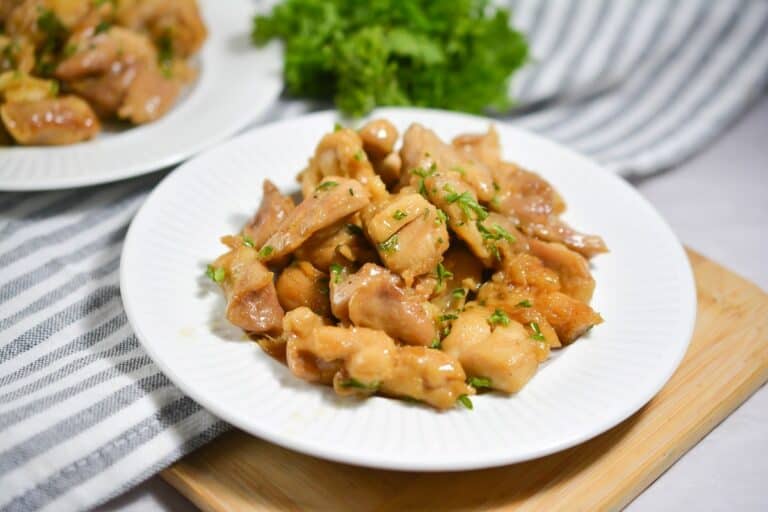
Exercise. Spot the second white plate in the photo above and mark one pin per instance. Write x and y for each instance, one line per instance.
(236, 83)
(644, 291)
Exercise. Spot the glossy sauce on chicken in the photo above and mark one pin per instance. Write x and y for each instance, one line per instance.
(427, 273)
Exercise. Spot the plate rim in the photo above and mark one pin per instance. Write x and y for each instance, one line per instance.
(298, 444)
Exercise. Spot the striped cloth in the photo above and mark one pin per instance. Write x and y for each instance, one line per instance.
(85, 414)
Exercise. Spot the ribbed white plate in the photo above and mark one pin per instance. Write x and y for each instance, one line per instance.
(644, 290)
(236, 83)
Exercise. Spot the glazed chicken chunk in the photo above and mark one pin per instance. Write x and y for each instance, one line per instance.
(249, 288)
(362, 360)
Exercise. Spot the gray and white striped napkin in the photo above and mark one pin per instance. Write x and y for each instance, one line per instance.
(85, 414)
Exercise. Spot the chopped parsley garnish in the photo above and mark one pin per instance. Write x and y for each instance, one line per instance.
(479, 382)
(466, 402)
(441, 217)
(354, 383)
(448, 317)
(399, 215)
(327, 185)
(390, 245)
(459, 170)
(351, 192)
(458, 293)
(248, 241)
(359, 155)
(336, 271)
(498, 317)
(443, 274)
(102, 26)
(266, 251)
(524, 304)
(337, 126)
(165, 53)
(466, 202)
(537, 334)
(436, 344)
(495, 233)
(54, 87)
(215, 274)
(424, 174)
(354, 229)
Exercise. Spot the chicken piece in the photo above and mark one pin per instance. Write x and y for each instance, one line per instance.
(426, 375)
(571, 318)
(483, 147)
(507, 356)
(417, 247)
(527, 270)
(341, 153)
(333, 199)
(423, 149)
(16, 54)
(301, 284)
(6, 8)
(176, 26)
(379, 137)
(248, 286)
(571, 267)
(117, 71)
(93, 53)
(45, 21)
(21, 87)
(457, 200)
(462, 273)
(273, 209)
(362, 360)
(536, 204)
(374, 297)
(150, 96)
(54, 121)
(338, 244)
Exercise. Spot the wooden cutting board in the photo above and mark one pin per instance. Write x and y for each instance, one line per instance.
(726, 362)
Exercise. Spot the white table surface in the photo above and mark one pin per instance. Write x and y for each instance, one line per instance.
(718, 204)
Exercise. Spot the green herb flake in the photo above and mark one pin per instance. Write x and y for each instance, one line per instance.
(390, 245)
(354, 383)
(524, 304)
(248, 242)
(354, 229)
(266, 251)
(54, 88)
(498, 317)
(102, 26)
(443, 274)
(466, 202)
(326, 185)
(215, 274)
(448, 317)
(351, 192)
(441, 217)
(436, 344)
(458, 293)
(336, 272)
(479, 382)
(337, 126)
(359, 155)
(466, 402)
(399, 215)
(537, 334)
(459, 170)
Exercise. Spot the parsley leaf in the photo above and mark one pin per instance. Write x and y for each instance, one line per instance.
(215, 274)
(479, 382)
(452, 55)
(498, 317)
(390, 245)
(466, 402)
(354, 383)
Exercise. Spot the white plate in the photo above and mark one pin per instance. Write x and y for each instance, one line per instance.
(236, 83)
(644, 291)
